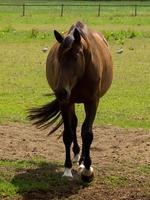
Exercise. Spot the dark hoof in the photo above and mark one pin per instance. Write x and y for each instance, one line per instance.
(87, 179)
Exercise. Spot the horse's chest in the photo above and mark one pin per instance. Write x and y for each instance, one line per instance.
(85, 90)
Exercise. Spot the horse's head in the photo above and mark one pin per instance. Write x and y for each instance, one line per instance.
(71, 63)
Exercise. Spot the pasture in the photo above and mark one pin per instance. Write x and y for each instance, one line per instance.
(31, 164)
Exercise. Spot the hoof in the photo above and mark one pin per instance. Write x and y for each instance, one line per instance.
(87, 179)
(68, 173)
(81, 168)
(87, 175)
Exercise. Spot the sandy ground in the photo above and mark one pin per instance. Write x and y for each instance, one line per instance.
(114, 149)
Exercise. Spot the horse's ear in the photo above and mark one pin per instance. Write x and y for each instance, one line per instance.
(58, 36)
(76, 34)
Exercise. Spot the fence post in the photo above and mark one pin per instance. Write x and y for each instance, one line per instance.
(135, 13)
(99, 10)
(23, 10)
(62, 10)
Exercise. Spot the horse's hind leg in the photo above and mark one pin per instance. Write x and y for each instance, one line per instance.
(87, 138)
(76, 148)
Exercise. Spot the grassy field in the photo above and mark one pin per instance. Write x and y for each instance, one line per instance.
(11, 185)
(22, 66)
(23, 85)
(38, 175)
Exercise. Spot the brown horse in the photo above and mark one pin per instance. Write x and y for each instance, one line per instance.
(78, 70)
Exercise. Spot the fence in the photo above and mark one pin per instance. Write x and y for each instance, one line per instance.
(98, 9)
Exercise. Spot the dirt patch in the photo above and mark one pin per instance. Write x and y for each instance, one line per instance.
(118, 156)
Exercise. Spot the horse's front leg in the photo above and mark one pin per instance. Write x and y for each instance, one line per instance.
(74, 122)
(86, 170)
(67, 139)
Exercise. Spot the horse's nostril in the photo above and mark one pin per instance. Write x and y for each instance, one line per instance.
(62, 94)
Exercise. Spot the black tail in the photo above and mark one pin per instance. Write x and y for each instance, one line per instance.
(46, 115)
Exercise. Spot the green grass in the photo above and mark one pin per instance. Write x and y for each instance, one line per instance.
(144, 169)
(22, 66)
(22, 164)
(22, 177)
(18, 177)
(115, 181)
(128, 100)
(23, 82)
(34, 179)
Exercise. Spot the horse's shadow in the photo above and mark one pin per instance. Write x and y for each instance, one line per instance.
(45, 182)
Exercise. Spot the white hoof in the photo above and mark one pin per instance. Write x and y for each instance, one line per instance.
(76, 158)
(87, 175)
(67, 173)
(81, 168)
(87, 172)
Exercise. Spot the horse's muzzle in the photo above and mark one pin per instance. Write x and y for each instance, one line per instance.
(62, 95)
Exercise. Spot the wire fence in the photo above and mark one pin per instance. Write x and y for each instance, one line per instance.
(79, 9)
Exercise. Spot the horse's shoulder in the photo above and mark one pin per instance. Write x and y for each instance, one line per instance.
(97, 36)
